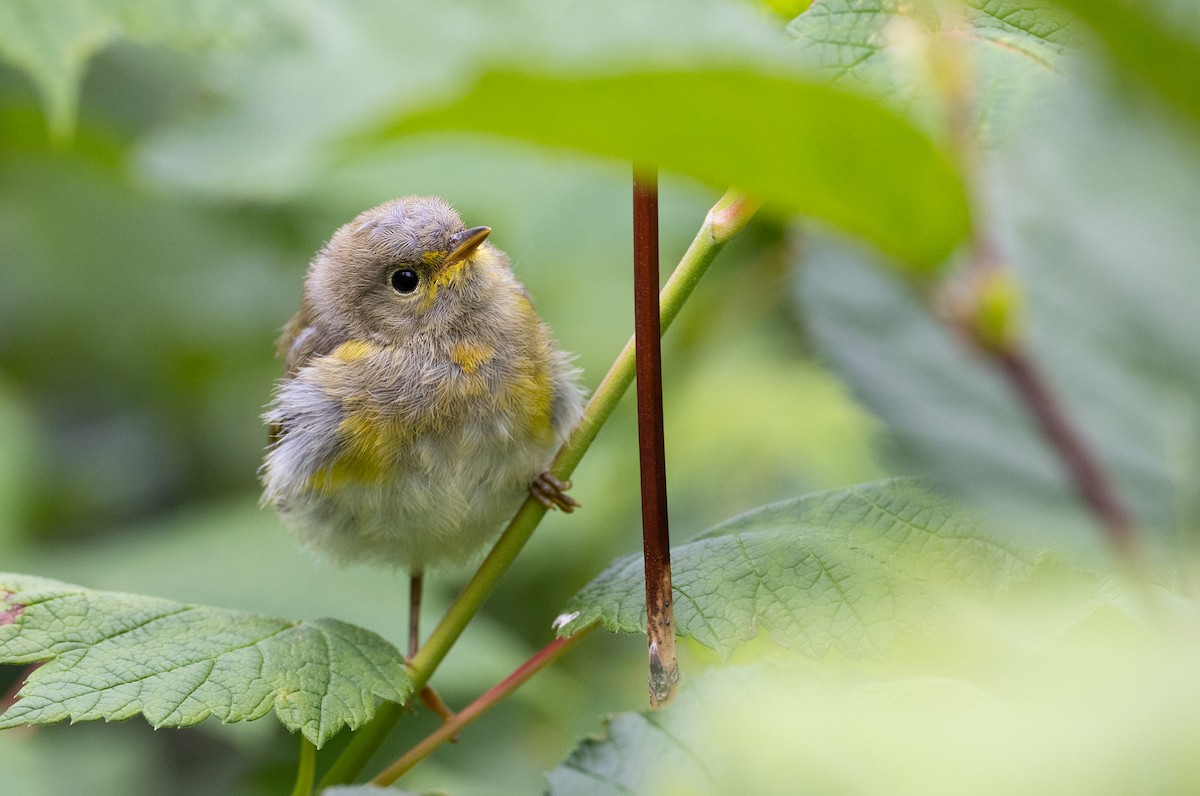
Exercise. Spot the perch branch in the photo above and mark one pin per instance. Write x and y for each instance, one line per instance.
(726, 218)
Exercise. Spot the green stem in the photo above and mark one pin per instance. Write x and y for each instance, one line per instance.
(726, 218)
(306, 768)
(450, 728)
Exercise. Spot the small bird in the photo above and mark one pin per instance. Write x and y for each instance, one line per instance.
(423, 397)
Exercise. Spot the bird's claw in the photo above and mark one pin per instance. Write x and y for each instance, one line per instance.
(552, 493)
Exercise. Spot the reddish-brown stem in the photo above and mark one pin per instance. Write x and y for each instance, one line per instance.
(450, 729)
(1011, 357)
(1091, 481)
(997, 338)
(656, 538)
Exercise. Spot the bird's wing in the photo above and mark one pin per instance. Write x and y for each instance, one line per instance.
(299, 344)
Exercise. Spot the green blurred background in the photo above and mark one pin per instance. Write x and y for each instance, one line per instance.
(168, 168)
(137, 323)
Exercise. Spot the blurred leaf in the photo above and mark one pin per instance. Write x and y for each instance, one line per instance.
(1157, 41)
(53, 40)
(335, 69)
(908, 54)
(713, 99)
(635, 753)
(1077, 716)
(839, 571)
(1104, 247)
(111, 656)
(861, 168)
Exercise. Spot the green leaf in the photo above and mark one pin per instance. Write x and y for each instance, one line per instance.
(635, 753)
(287, 105)
(111, 656)
(1009, 715)
(840, 571)
(1157, 41)
(716, 99)
(53, 40)
(862, 167)
(896, 50)
(1103, 247)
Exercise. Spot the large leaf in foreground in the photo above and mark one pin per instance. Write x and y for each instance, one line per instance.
(841, 571)
(716, 98)
(111, 656)
(334, 69)
(849, 161)
(1012, 713)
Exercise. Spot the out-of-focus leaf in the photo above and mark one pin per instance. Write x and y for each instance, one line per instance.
(1094, 210)
(842, 571)
(861, 167)
(112, 656)
(714, 99)
(908, 53)
(335, 69)
(1073, 716)
(53, 40)
(1157, 41)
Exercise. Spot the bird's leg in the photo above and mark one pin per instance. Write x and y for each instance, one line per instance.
(552, 493)
(429, 697)
(416, 580)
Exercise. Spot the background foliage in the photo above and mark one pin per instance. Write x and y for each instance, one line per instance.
(167, 169)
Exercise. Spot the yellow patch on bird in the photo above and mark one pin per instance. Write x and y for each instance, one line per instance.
(431, 291)
(469, 356)
(432, 258)
(369, 443)
(529, 394)
(353, 351)
(451, 276)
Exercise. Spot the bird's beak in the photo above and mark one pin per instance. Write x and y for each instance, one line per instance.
(465, 243)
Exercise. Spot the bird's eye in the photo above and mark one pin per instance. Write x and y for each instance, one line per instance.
(405, 280)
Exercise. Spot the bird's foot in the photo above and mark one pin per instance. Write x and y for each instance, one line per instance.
(552, 493)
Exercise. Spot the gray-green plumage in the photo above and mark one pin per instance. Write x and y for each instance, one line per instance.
(410, 425)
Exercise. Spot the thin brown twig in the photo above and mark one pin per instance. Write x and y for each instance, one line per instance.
(999, 339)
(453, 725)
(1092, 483)
(985, 312)
(656, 537)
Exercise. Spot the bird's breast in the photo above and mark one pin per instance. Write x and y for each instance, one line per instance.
(428, 410)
